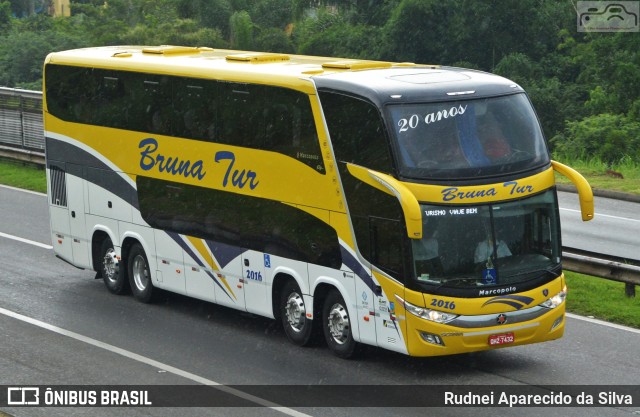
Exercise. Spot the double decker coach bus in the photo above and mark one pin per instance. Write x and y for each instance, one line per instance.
(410, 207)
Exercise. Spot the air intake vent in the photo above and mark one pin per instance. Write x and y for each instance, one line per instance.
(58, 186)
(258, 57)
(172, 50)
(355, 64)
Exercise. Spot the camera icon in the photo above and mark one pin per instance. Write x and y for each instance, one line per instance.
(608, 17)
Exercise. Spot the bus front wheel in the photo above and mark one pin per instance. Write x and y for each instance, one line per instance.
(139, 274)
(294, 314)
(111, 268)
(337, 326)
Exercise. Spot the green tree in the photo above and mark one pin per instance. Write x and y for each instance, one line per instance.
(273, 40)
(241, 28)
(422, 31)
(213, 14)
(5, 16)
(609, 137)
(272, 13)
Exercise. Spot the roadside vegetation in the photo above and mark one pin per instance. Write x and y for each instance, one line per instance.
(623, 176)
(21, 175)
(601, 299)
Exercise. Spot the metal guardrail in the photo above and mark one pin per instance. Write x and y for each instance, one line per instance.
(22, 138)
(21, 124)
(609, 267)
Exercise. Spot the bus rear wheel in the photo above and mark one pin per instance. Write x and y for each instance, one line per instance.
(139, 274)
(337, 326)
(111, 268)
(294, 315)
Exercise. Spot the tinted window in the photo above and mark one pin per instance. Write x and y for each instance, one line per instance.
(248, 222)
(357, 131)
(468, 138)
(256, 116)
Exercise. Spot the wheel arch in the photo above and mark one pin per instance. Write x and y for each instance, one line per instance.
(98, 236)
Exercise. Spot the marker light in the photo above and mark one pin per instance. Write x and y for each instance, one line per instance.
(556, 300)
(427, 314)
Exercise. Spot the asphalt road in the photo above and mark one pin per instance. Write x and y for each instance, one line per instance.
(615, 229)
(60, 326)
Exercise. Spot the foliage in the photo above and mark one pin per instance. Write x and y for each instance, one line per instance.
(575, 80)
(609, 137)
(602, 299)
(241, 30)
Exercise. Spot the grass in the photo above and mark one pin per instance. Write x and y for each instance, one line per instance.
(602, 299)
(602, 176)
(588, 296)
(23, 175)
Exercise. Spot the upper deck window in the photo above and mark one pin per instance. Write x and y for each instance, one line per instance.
(467, 138)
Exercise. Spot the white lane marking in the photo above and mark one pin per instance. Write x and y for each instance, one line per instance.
(23, 240)
(603, 215)
(24, 191)
(604, 323)
(154, 363)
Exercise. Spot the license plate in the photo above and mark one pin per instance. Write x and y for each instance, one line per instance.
(501, 339)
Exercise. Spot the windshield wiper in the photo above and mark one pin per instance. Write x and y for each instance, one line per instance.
(550, 270)
(450, 280)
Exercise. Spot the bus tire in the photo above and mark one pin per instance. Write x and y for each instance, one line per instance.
(139, 274)
(337, 326)
(293, 314)
(112, 269)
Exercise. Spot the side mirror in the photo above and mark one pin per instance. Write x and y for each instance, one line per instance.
(585, 194)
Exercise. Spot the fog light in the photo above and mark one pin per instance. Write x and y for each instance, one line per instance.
(434, 339)
(557, 323)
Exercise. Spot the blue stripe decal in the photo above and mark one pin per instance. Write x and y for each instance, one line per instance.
(224, 253)
(178, 239)
(349, 260)
(515, 301)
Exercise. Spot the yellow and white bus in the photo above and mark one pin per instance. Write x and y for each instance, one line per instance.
(410, 207)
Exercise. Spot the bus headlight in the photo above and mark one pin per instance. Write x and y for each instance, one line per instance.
(426, 313)
(556, 300)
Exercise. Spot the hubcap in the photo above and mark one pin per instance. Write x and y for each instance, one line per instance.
(140, 272)
(339, 326)
(111, 265)
(295, 312)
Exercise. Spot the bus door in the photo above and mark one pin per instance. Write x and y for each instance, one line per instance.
(77, 223)
(387, 242)
(254, 281)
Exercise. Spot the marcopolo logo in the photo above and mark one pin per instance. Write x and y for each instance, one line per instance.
(608, 16)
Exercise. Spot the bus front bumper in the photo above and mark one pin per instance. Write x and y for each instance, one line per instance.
(488, 332)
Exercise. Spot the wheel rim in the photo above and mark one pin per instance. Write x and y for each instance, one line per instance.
(111, 265)
(295, 312)
(140, 272)
(339, 326)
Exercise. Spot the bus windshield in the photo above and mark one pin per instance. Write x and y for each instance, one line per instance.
(488, 245)
(467, 138)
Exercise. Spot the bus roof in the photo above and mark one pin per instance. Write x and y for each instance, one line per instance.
(376, 80)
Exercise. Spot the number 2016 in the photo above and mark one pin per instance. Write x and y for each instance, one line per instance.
(443, 304)
(254, 275)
